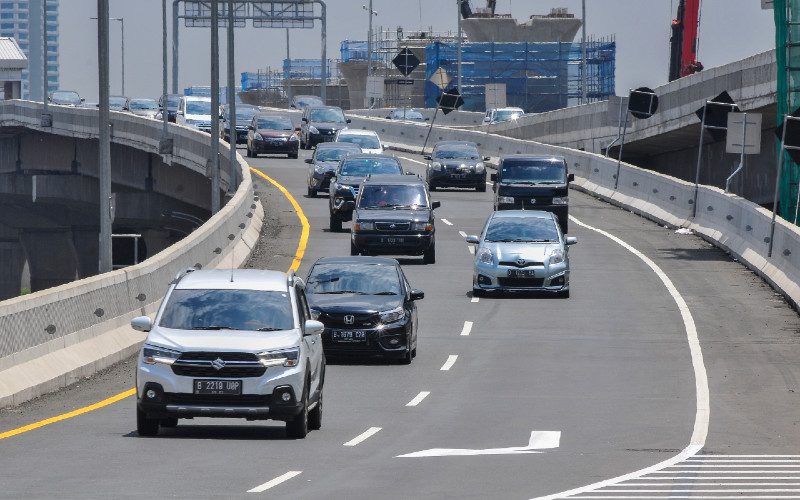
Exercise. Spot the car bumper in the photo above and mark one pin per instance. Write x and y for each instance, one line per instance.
(320, 182)
(389, 342)
(457, 179)
(489, 277)
(392, 244)
(275, 147)
(314, 139)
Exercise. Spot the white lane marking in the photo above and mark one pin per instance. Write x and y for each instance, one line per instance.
(363, 436)
(418, 399)
(415, 161)
(275, 482)
(463, 234)
(702, 403)
(540, 440)
(447, 222)
(471, 249)
(475, 300)
(451, 360)
(467, 328)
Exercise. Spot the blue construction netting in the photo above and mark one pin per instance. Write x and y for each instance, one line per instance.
(538, 76)
(301, 69)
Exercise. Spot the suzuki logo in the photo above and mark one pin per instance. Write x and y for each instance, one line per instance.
(349, 319)
(218, 364)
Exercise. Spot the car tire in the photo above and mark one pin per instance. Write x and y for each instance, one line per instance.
(169, 422)
(297, 428)
(353, 249)
(311, 192)
(335, 225)
(248, 152)
(145, 426)
(406, 360)
(430, 255)
(481, 187)
(315, 415)
(293, 155)
(478, 292)
(431, 186)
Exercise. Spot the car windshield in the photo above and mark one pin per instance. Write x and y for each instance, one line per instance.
(117, 102)
(521, 229)
(533, 172)
(228, 310)
(363, 141)
(66, 97)
(327, 115)
(365, 166)
(173, 101)
(244, 114)
(369, 279)
(276, 123)
(393, 196)
(302, 102)
(144, 104)
(334, 154)
(409, 114)
(198, 108)
(461, 151)
(507, 114)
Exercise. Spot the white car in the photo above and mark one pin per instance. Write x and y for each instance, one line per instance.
(502, 114)
(195, 111)
(231, 343)
(367, 140)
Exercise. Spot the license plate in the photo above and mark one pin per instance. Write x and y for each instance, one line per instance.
(218, 387)
(521, 273)
(349, 336)
(393, 241)
(458, 176)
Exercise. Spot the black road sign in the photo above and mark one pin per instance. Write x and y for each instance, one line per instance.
(450, 100)
(408, 81)
(716, 115)
(405, 61)
(642, 102)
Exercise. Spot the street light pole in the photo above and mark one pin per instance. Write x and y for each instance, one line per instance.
(122, 38)
(368, 102)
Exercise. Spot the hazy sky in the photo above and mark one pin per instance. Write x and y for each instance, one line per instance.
(729, 30)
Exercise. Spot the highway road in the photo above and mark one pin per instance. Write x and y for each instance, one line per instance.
(511, 397)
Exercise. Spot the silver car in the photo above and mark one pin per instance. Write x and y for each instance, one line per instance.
(521, 250)
(231, 343)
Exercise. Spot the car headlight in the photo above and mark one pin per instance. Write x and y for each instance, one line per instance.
(422, 226)
(363, 226)
(564, 200)
(315, 314)
(480, 168)
(189, 121)
(394, 315)
(258, 137)
(312, 129)
(280, 357)
(319, 169)
(293, 138)
(436, 166)
(485, 255)
(505, 199)
(557, 256)
(153, 354)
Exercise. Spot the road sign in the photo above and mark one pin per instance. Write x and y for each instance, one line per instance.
(540, 440)
(407, 81)
(375, 87)
(642, 102)
(749, 130)
(405, 61)
(440, 78)
(450, 100)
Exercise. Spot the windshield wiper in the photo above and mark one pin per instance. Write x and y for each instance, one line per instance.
(213, 327)
(385, 293)
(343, 291)
(521, 182)
(331, 280)
(269, 329)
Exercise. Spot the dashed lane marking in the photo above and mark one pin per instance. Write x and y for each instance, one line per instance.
(275, 482)
(451, 360)
(363, 436)
(467, 328)
(418, 399)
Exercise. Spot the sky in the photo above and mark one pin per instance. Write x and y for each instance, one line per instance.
(730, 30)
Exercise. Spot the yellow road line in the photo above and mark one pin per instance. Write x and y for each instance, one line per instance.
(301, 250)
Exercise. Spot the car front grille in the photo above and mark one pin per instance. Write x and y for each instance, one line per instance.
(337, 320)
(521, 282)
(201, 364)
(527, 263)
(393, 226)
(213, 400)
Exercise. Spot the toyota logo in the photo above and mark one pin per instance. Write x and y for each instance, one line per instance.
(520, 262)
(218, 364)
(392, 226)
(349, 319)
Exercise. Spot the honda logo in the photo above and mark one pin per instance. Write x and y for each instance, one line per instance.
(349, 319)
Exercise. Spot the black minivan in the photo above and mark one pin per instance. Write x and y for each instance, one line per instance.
(533, 182)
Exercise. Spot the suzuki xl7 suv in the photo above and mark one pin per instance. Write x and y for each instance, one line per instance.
(231, 343)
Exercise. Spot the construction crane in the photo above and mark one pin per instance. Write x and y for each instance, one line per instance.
(684, 40)
(466, 9)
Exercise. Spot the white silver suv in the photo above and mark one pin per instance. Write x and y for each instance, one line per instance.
(231, 343)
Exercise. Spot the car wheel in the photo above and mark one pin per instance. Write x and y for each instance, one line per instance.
(335, 224)
(478, 292)
(431, 186)
(297, 428)
(311, 192)
(315, 415)
(406, 360)
(145, 426)
(293, 155)
(353, 249)
(248, 152)
(169, 422)
(430, 255)
(481, 187)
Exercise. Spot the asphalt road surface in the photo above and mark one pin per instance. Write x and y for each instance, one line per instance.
(513, 397)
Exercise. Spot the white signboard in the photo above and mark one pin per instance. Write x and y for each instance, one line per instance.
(767, 4)
(495, 95)
(440, 78)
(617, 111)
(375, 87)
(744, 129)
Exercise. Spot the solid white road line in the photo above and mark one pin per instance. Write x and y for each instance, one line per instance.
(447, 222)
(451, 360)
(363, 436)
(412, 159)
(463, 234)
(418, 399)
(467, 328)
(475, 300)
(275, 482)
(471, 249)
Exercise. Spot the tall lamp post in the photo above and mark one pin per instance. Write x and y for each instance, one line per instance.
(369, 46)
(122, 38)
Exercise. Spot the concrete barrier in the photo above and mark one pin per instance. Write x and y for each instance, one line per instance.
(54, 337)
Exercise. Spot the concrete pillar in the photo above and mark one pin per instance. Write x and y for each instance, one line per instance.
(12, 259)
(51, 257)
(86, 242)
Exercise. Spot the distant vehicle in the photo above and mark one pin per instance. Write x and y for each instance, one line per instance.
(244, 115)
(238, 343)
(502, 115)
(65, 98)
(348, 177)
(323, 163)
(271, 133)
(173, 101)
(367, 306)
(367, 140)
(194, 111)
(117, 102)
(456, 163)
(319, 124)
(142, 106)
(521, 250)
(407, 114)
(302, 101)
(394, 216)
(533, 182)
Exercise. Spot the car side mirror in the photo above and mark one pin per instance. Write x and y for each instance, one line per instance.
(427, 157)
(348, 120)
(142, 323)
(297, 129)
(313, 327)
(304, 120)
(309, 160)
(83, 100)
(427, 119)
(571, 240)
(473, 239)
(179, 113)
(417, 294)
(570, 177)
(436, 204)
(487, 158)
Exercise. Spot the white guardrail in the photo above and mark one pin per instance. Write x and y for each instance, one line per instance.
(52, 338)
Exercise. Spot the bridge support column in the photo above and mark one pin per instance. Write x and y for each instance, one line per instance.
(12, 259)
(87, 249)
(51, 256)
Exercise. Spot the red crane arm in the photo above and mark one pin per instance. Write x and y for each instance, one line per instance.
(691, 22)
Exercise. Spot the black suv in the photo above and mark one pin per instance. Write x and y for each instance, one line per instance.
(344, 184)
(319, 124)
(394, 215)
(367, 306)
(456, 164)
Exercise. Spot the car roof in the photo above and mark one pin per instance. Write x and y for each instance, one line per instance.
(357, 260)
(355, 131)
(340, 145)
(369, 156)
(392, 179)
(323, 107)
(509, 108)
(454, 143)
(236, 279)
(532, 157)
(195, 98)
(533, 214)
(272, 114)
